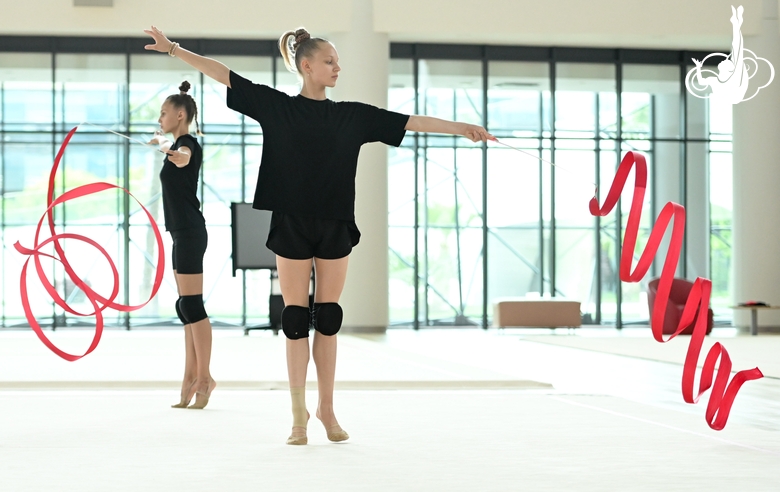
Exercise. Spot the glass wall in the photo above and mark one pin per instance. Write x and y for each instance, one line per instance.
(586, 136)
(42, 97)
(26, 155)
(518, 104)
(470, 224)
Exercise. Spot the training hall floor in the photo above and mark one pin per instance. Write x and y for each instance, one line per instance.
(593, 409)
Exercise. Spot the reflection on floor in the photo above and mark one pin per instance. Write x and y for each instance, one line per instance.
(441, 409)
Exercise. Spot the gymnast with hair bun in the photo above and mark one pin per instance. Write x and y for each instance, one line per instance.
(185, 222)
(307, 179)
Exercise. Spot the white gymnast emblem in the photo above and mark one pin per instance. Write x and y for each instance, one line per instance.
(730, 83)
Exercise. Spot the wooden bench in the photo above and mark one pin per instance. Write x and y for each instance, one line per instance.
(542, 313)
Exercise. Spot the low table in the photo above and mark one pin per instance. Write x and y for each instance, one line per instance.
(550, 312)
(754, 316)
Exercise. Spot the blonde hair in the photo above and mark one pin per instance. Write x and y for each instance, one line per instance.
(297, 45)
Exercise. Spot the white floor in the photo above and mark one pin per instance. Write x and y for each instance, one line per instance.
(430, 410)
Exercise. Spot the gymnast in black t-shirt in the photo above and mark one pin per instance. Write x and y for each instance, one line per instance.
(307, 178)
(184, 220)
(310, 156)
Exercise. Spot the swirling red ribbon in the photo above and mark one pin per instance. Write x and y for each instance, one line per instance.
(94, 298)
(723, 391)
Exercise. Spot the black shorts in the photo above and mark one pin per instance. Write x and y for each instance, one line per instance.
(302, 238)
(189, 246)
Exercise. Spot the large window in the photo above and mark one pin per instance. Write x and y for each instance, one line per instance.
(43, 96)
(473, 223)
(469, 223)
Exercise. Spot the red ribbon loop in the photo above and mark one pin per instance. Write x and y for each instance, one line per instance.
(723, 392)
(93, 297)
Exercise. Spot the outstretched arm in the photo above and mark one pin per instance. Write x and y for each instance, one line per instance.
(208, 66)
(179, 157)
(428, 124)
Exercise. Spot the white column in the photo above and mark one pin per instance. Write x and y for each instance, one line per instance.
(757, 180)
(364, 56)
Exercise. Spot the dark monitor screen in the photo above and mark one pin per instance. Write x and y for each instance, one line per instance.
(250, 231)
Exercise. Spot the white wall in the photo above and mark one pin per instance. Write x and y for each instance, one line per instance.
(627, 23)
(756, 178)
(688, 24)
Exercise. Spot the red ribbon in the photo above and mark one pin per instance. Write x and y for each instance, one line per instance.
(94, 297)
(723, 395)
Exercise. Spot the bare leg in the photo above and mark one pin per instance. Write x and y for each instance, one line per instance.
(330, 275)
(190, 370)
(294, 276)
(190, 362)
(192, 284)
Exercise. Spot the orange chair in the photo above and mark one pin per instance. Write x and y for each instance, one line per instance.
(674, 308)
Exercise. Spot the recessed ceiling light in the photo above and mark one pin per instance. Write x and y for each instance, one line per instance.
(93, 3)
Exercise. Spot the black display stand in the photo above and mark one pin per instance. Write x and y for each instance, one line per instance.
(249, 229)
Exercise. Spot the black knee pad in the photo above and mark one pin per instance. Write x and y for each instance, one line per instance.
(179, 313)
(295, 322)
(192, 308)
(326, 317)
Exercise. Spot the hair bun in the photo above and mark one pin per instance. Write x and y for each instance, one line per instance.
(301, 35)
(184, 87)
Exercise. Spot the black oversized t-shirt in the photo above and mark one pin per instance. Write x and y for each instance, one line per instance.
(181, 206)
(310, 148)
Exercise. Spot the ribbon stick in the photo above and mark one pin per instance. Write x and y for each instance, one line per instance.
(539, 158)
(99, 303)
(697, 304)
(123, 136)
